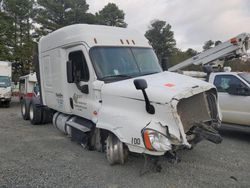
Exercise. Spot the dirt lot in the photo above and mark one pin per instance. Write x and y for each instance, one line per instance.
(41, 156)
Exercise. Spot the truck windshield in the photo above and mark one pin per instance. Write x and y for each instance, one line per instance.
(245, 76)
(4, 81)
(117, 63)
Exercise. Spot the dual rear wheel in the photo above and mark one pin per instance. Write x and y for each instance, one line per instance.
(30, 111)
(25, 108)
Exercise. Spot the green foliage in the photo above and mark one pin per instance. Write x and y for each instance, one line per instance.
(22, 22)
(161, 38)
(54, 14)
(178, 56)
(6, 37)
(238, 65)
(207, 45)
(111, 15)
(17, 15)
(191, 52)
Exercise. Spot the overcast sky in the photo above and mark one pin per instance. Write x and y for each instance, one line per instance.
(193, 21)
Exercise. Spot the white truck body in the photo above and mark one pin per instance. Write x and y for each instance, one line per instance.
(180, 103)
(5, 82)
(235, 107)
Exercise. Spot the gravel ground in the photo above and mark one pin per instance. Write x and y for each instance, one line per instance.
(41, 156)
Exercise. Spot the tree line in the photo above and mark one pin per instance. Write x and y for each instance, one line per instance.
(23, 22)
(161, 37)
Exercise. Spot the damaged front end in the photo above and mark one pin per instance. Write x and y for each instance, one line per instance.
(199, 115)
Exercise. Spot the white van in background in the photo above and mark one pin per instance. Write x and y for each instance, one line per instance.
(5, 83)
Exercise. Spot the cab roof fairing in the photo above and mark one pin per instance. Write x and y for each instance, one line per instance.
(92, 35)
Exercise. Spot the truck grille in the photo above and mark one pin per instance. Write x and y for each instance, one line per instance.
(201, 107)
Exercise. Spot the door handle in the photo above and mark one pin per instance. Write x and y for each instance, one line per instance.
(71, 102)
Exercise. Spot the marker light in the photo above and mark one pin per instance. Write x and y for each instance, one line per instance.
(233, 40)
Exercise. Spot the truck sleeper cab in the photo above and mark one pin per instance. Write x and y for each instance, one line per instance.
(108, 92)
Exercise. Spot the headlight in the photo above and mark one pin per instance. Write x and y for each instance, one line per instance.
(156, 141)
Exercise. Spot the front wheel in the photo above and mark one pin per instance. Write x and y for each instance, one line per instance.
(116, 151)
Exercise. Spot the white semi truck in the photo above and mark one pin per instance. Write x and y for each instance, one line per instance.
(5, 83)
(233, 87)
(105, 89)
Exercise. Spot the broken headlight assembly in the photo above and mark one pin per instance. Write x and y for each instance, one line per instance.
(155, 141)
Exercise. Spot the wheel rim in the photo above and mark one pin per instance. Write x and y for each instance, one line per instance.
(23, 109)
(115, 152)
(31, 112)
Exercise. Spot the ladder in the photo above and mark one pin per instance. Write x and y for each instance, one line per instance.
(234, 48)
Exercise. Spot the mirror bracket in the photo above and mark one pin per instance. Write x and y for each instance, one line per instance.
(141, 84)
(83, 88)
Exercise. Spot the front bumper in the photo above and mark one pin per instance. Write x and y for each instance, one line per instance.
(5, 99)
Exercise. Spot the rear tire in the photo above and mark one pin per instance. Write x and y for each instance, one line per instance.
(35, 113)
(25, 109)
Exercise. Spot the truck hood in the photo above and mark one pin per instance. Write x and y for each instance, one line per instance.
(162, 87)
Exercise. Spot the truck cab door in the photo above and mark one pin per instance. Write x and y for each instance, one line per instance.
(79, 91)
(235, 107)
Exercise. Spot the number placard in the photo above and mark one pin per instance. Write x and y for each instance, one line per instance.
(136, 141)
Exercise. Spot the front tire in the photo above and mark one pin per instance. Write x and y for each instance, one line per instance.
(116, 151)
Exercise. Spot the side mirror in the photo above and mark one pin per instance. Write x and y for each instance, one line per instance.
(83, 88)
(70, 75)
(141, 84)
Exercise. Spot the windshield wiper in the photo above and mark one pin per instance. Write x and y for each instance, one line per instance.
(119, 76)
